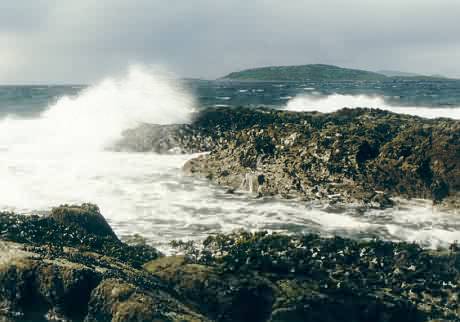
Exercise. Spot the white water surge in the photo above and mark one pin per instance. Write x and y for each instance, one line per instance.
(334, 102)
(60, 157)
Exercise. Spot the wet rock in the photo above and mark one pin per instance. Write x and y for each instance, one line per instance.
(167, 139)
(81, 227)
(224, 297)
(336, 279)
(241, 276)
(48, 277)
(253, 182)
(118, 301)
(86, 217)
(355, 155)
(32, 288)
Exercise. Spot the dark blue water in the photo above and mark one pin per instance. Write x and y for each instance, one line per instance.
(29, 101)
(443, 93)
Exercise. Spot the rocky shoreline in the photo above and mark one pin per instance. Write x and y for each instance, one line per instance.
(362, 156)
(70, 266)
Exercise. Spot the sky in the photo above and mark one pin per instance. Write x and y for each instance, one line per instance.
(82, 41)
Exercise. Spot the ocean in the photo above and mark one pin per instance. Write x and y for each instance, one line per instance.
(55, 149)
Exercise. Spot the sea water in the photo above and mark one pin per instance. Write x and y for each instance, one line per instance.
(54, 144)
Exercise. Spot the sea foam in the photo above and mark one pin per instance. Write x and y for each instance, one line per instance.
(334, 102)
(98, 115)
(60, 157)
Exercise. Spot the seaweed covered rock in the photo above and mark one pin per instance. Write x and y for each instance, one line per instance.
(54, 271)
(50, 273)
(86, 217)
(167, 139)
(39, 285)
(244, 298)
(118, 301)
(81, 227)
(33, 288)
(352, 155)
(317, 279)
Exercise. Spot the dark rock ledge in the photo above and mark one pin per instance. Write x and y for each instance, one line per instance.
(362, 156)
(70, 266)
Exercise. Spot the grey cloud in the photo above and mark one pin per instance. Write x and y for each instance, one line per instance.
(82, 41)
(23, 15)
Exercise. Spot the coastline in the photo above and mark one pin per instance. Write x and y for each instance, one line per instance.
(345, 157)
(71, 266)
(353, 155)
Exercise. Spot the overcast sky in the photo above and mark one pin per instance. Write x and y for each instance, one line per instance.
(81, 41)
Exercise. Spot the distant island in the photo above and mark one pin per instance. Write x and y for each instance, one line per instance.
(318, 72)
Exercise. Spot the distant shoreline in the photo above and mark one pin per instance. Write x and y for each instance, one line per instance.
(319, 72)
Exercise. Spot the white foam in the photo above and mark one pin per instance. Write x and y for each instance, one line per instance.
(59, 158)
(334, 102)
(97, 117)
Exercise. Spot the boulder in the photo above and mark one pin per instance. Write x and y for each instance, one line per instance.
(32, 288)
(257, 277)
(309, 278)
(86, 217)
(224, 297)
(117, 301)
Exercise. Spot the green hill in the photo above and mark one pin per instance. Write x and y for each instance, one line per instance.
(316, 72)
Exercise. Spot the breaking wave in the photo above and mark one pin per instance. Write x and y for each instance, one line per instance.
(60, 157)
(98, 116)
(334, 102)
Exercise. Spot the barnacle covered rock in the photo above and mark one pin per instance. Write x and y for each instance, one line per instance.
(352, 155)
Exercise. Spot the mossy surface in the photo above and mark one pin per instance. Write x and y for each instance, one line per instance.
(353, 155)
(48, 272)
(82, 227)
(363, 156)
(366, 280)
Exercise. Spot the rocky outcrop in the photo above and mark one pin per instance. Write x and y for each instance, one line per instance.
(55, 268)
(165, 139)
(85, 217)
(308, 278)
(224, 297)
(59, 270)
(352, 155)
(117, 301)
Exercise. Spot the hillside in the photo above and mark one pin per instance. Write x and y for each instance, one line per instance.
(396, 73)
(315, 72)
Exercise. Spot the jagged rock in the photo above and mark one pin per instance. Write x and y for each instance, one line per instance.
(244, 298)
(50, 274)
(317, 279)
(81, 227)
(171, 139)
(33, 288)
(118, 301)
(54, 271)
(352, 155)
